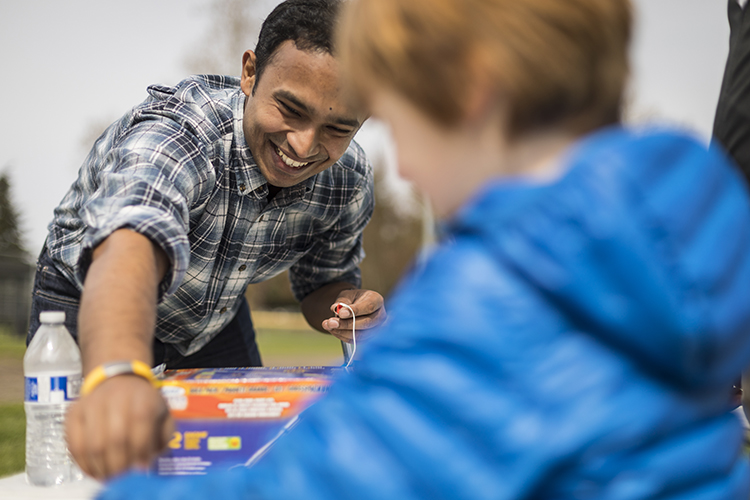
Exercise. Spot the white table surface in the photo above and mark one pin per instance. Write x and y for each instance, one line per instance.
(16, 488)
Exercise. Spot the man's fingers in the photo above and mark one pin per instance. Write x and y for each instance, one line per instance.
(362, 302)
(93, 450)
(367, 302)
(167, 431)
(116, 451)
(152, 430)
(364, 322)
(363, 331)
(142, 437)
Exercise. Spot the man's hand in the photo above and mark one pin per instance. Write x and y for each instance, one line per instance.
(367, 305)
(369, 312)
(124, 422)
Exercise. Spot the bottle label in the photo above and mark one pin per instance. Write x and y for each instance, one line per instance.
(52, 389)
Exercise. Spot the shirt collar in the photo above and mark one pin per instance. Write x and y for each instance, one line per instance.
(242, 161)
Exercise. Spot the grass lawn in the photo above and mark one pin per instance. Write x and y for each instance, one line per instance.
(11, 346)
(297, 347)
(12, 438)
(12, 417)
(284, 340)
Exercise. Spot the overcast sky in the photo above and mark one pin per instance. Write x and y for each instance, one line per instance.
(69, 66)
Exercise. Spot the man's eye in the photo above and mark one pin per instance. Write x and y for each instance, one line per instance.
(339, 131)
(290, 109)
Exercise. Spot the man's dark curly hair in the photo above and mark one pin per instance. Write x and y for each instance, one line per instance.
(309, 24)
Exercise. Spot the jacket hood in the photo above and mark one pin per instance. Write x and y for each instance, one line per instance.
(644, 242)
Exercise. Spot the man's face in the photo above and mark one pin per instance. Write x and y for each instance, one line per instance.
(299, 121)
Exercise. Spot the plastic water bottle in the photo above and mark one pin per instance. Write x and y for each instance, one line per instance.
(52, 370)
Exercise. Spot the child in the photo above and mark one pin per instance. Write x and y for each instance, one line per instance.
(575, 333)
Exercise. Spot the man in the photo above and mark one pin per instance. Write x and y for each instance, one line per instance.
(200, 190)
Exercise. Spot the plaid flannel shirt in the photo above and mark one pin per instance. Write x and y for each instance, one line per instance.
(177, 169)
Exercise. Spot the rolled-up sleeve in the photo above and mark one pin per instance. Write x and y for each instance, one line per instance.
(335, 255)
(148, 182)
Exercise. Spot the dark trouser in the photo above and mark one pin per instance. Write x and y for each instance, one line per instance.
(234, 346)
(732, 120)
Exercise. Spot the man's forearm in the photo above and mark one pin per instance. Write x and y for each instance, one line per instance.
(118, 304)
(316, 307)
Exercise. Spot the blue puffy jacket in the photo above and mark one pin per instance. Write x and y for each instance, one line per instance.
(570, 340)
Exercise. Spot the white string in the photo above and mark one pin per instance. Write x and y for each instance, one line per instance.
(354, 336)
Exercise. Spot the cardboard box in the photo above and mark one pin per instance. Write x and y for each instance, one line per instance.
(226, 417)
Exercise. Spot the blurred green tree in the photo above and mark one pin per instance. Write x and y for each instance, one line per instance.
(11, 244)
(15, 271)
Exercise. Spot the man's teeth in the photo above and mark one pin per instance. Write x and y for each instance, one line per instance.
(289, 161)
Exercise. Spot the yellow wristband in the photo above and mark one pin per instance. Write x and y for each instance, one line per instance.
(115, 368)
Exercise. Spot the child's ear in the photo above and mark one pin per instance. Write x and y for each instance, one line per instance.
(483, 100)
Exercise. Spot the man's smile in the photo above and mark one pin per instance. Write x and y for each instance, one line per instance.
(289, 161)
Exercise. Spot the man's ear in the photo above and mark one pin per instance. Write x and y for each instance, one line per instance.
(247, 81)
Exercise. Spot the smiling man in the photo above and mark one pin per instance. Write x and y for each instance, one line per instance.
(300, 91)
(202, 189)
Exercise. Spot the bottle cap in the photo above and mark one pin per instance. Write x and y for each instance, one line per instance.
(52, 316)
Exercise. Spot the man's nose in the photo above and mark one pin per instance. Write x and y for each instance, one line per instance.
(304, 142)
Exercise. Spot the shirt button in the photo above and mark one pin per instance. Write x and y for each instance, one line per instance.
(242, 187)
(243, 267)
(223, 310)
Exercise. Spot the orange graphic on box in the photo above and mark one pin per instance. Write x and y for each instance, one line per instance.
(261, 393)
